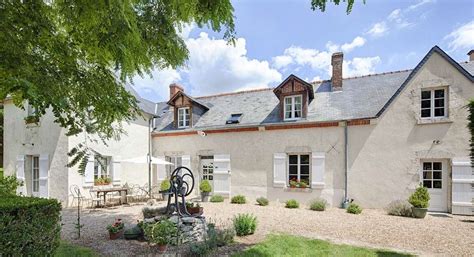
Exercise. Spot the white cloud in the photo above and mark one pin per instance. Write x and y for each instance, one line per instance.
(216, 66)
(357, 42)
(395, 14)
(156, 88)
(282, 61)
(461, 38)
(422, 2)
(378, 29)
(360, 66)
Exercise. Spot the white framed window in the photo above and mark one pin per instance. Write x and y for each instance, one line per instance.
(293, 106)
(35, 173)
(183, 117)
(433, 103)
(433, 174)
(177, 161)
(101, 167)
(299, 168)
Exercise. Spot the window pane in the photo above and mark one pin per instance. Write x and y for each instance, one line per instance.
(425, 94)
(427, 183)
(304, 159)
(293, 159)
(425, 113)
(425, 104)
(211, 178)
(297, 114)
(304, 169)
(439, 103)
(439, 93)
(437, 174)
(439, 112)
(437, 184)
(427, 166)
(298, 100)
(288, 101)
(437, 166)
(293, 177)
(427, 175)
(293, 169)
(305, 179)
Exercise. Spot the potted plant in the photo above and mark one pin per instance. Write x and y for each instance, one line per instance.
(115, 229)
(31, 119)
(420, 200)
(102, 181)
(302, 184)
(293, 183)
(165, 186)
(194, 208)
(160, 233)
(205, 188)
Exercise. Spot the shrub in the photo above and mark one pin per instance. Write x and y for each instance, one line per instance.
(160, 232)
(354, 209)
(262, 201)
(399, 208)
(205, 186)
(217, 237)
(245, 224)
(318, 204)
(292, 204)
(199, 249)
(29, 226)
(165, 185)
(238, 199)
(420, 198)
(8, 185)
(217, 199)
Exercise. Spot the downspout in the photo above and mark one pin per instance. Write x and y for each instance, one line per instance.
(346, 164)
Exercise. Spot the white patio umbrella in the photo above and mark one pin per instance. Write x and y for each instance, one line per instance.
(144, 160)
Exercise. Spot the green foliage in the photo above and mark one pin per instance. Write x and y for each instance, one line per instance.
(292, 204)
(160, 232)
(262, 201)
(217, 237)
(116, 227)
(318, 204)
(420, 198)
(66, 249)
(165, 185)
(321, 4)
(205, 186)
(8, 185)
(29, 226)
(471, 128)
(199, 249)
(245, 224)
(238, 199)
(354, 209)
(286, 245)
(1, 172)
(399, 208)
(102, 181)
(217, 199)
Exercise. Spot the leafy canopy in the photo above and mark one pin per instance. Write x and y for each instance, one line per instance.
(321, 4)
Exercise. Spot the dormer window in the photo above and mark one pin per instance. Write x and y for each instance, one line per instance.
(293, 107)
(183, 117)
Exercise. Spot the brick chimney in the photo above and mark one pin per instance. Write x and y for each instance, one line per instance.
(471, 55)
(336, 79)
(175, 88)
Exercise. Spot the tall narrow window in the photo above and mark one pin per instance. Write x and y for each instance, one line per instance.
(298, 168)
(35, 178)
(101, 167)
(433, 103)
(183, 117)
(293, 107)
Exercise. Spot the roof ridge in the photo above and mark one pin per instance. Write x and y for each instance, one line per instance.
(363, 76)
(236, 93)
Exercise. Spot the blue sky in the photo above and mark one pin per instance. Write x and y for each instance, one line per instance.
(281, 37)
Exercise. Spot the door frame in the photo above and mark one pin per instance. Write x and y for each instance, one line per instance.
(444, 192)
(210, 160)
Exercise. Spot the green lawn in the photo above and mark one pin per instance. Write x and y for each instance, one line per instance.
(66, 250)
(286, 245)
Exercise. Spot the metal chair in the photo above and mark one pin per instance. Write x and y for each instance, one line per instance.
(76, 194)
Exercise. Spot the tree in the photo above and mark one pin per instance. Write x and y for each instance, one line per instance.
(72, 56)
(321, 4)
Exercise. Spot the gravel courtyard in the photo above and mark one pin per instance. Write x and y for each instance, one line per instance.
(441, 235)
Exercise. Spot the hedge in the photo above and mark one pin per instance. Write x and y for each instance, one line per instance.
(29, 226)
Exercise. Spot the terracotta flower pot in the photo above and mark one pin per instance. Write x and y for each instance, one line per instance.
(162, 248)
(117, 235)
(194, 210)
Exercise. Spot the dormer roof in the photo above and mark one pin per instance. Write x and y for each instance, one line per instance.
(171, 102)
(292, 79)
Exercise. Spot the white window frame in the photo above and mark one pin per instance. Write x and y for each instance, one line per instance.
(298, 174)
(432, 103)
(432, 170)
(100, 173)
(35, 169)
(293, 109)
(183, 117)
(176, 160)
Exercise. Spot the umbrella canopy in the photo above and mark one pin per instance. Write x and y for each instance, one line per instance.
(144, 160)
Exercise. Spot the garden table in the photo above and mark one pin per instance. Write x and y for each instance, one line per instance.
(105, 191)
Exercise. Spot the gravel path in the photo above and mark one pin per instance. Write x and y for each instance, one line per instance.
(441, 235)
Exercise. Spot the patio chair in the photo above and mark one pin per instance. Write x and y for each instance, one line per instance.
(95, 199)
(76, 194)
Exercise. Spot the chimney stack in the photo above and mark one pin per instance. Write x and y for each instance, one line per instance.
(175, 88)
(336, 79)
(471, 55)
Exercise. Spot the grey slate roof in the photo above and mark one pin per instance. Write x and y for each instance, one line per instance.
(144, 104)
(361, 97)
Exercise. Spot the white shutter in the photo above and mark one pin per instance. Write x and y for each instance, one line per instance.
(317, 169)
(89, 172)
(221, 174)
(43, 175)
(279, 169)
(116, 170)
(186, 161)
(161, 169)
(20, 174)
(462, 189)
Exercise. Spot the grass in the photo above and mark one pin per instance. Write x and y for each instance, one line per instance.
(66, 249)
(286, 245)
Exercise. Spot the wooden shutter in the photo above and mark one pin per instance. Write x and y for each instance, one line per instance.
(317, 169)
(20, 174)
(221, 175)
(161, 169)
(89, 172)
(279, 169)
(116, 170)
(43, 175)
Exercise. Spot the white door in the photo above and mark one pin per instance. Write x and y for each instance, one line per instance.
(207, 169)
(434, 176)
(35, 176)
